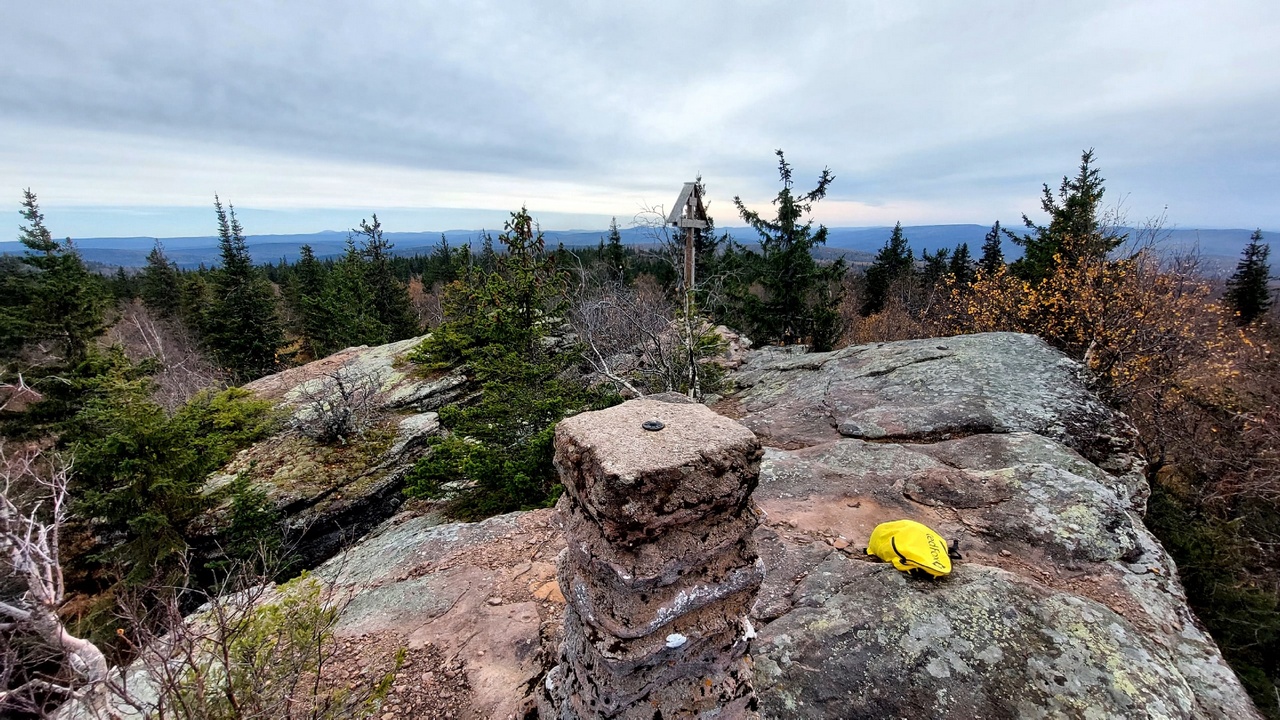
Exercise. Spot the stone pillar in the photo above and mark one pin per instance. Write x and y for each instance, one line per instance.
(661, 568)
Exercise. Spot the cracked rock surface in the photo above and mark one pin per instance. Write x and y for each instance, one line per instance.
(1064, 605)
(931, 389)
(332, 493)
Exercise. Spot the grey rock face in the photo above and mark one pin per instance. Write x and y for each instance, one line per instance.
(1064, 605)
(984, 644)
(661, 568)
(934, 389)
(331, 494)
(469, 590)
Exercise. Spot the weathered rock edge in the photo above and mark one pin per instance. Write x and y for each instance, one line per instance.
(331, 495)
(1064, 606)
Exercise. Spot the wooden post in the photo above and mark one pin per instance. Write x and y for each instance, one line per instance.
(689, 214)
(690, 245)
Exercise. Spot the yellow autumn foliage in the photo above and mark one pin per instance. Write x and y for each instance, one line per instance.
(1127, 320)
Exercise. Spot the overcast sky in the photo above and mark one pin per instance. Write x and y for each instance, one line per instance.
(126, 117)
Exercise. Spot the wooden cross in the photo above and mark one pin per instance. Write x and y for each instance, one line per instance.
(689, 214)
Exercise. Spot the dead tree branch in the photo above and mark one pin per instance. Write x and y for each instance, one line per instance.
(33, 511)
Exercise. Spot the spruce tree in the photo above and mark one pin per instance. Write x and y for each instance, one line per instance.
(160, 283)
(614, 255)
(65, 302)
(446, 263)
(936, 266)
(992, 256)
(1075, 231)
(894, 262)
(16, 287)
(140, 472)
(961, 267)
(500, 444)
(123, 286)
(1248, 294)
(307, 280)
(707, 250)
(800, 297)
(194, 299)
(241, 327)
(488, 257)
(391, 303)
(305, 295)
(348, 308)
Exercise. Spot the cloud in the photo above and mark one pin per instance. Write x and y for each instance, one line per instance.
(593, 108)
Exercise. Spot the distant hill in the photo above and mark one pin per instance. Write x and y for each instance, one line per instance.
(190, 252)
(1219, 248)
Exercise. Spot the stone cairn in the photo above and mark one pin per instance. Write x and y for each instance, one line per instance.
(661, 568)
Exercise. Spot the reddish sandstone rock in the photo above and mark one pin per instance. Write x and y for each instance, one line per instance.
(660, 570)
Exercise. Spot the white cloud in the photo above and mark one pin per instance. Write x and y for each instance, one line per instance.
(935, 111)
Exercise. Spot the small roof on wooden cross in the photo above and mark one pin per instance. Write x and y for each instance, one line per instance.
(688, 211)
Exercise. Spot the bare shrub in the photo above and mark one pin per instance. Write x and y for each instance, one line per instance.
(1217, 420)
(900, 319)
(635, 338)
(253, 649)
(184, 369)
(338, 407)
(16, 396)
(1133, 323)
(33, 511)
(428, 303)
(626, 333)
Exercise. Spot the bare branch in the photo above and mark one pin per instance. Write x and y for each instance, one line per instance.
(33, 492)
(338, 407)
(184, 368)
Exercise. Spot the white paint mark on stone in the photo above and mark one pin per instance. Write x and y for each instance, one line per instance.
(675, 640)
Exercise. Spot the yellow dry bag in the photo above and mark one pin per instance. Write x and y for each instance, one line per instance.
(912, 547)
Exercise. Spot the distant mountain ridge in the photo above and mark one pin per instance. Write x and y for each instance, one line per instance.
(857, 244)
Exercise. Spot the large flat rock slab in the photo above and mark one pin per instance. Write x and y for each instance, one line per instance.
(394, 381)
(990, 382)
(995, 441)
(476, 597)
(986, 643)
(1064, 605)
(1044, 532)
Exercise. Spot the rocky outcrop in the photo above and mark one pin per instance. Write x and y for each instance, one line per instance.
(921, 390)
(661, 569)
(334, 491)
(1064, 605)
(482, 597)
